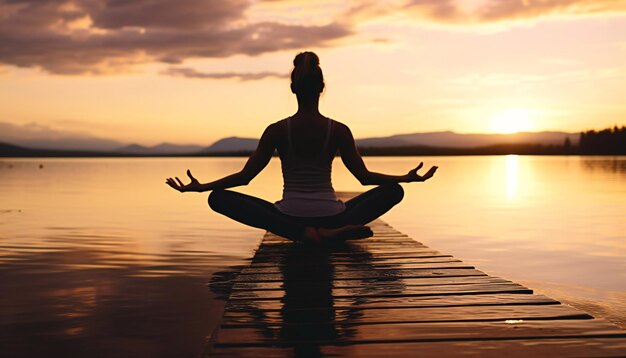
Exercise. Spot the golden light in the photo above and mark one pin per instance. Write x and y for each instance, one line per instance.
(512, 176)
(512, 121)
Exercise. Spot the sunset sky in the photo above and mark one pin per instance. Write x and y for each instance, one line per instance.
(194, 71)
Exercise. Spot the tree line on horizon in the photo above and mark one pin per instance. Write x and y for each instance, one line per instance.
(609, 141)
(606, 141)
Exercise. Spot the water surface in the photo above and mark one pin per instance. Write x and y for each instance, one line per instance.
(99, 256)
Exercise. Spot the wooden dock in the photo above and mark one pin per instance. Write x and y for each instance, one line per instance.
(391, 296)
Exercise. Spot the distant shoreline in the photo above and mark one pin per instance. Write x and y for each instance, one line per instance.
(608, 141)
(368, 152)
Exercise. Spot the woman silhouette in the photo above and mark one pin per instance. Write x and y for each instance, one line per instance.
(307, 143)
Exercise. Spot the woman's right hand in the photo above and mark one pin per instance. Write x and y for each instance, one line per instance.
(178, 184)
(413, 176)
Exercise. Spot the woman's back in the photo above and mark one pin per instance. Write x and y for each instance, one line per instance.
(308, 134)
(306, 157)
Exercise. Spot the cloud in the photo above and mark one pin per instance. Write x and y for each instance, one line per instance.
(101, 36)
(494, 10)
(168, 14)
(97, 36)
(484, 11)
(192, 73)
(441, 10)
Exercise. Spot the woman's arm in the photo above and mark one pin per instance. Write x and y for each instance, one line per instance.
(257, 161)
(353, 161)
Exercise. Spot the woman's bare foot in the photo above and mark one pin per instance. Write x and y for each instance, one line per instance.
(348, 232)
(311, 236)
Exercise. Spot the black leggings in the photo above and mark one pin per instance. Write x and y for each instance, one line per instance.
(262, 214)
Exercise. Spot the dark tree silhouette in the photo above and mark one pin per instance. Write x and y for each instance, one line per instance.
(606, 141)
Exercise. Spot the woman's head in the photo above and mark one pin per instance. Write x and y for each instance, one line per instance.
(307, 79)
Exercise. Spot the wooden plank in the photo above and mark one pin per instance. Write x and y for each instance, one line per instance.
(387, 243)
(357, 258)
(251, 318)
(362, 303)
(413, 273)
(379, 263)
(252, 270)
(594, 347)
(384, 291)
(417, 332)
(378, 252)
(356, 283)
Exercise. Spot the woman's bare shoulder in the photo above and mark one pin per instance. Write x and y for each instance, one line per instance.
(341, 129)
(277, 126)
(275, 131)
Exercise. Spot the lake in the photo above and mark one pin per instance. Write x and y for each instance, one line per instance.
(100, 257)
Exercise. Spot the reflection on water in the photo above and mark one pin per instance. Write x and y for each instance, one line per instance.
(315, 307)
(76, 303)
(98, 256)
(512, 176)
(615, 165)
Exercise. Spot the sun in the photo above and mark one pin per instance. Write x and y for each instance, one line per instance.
(512, 121)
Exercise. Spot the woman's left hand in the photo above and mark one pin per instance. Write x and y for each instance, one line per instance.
(178, 184)
(413, 176)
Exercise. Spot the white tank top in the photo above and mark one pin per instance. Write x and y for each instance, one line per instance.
(307, 187)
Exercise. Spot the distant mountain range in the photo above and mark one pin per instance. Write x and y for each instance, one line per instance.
(163, 148)
(450, 139)
(232, 144)
(34, 136)
(432, 139)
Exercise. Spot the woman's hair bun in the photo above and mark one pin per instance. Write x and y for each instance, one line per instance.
(306, 59)
(307, 78)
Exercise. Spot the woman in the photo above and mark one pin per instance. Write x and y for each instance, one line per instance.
(307, 143)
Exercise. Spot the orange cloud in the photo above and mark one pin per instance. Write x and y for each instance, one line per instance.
(243, 76)
(485, 11)
(99, 36)
(94, 36)
(516, 9)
